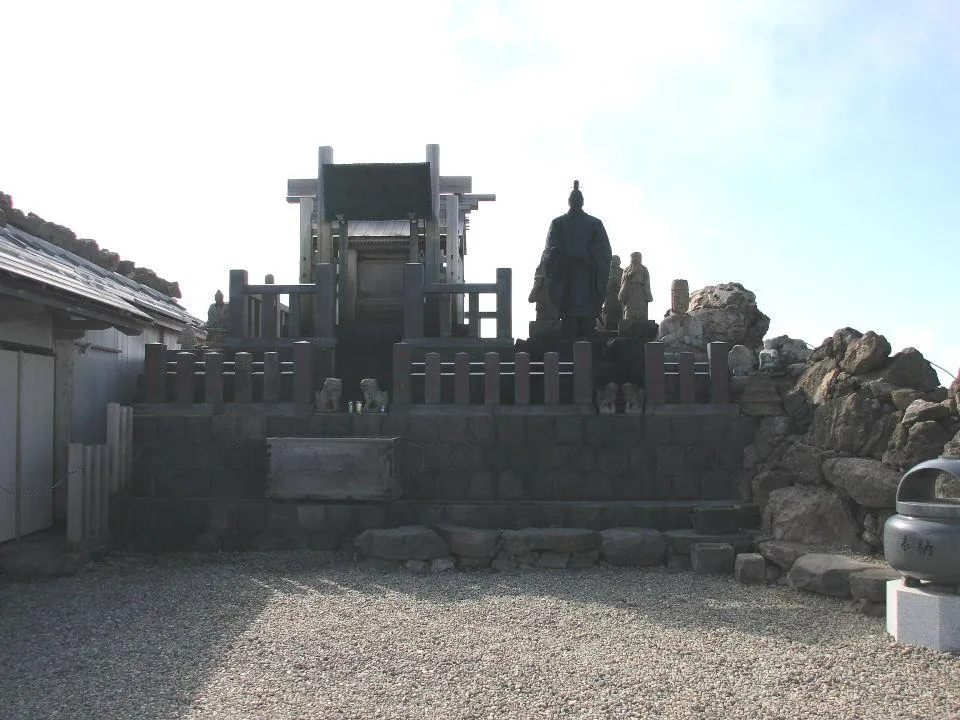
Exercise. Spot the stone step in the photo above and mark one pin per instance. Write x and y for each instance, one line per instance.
(572, 514)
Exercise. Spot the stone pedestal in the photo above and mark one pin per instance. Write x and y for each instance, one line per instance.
(544, 328)
(923, 616)
(638, 328)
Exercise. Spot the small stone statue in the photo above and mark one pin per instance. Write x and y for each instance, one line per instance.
(635, 289)
(217, 313)
(327, 398)
(607, 399)
(633, 398)
(612, 307)
(374, 399)
(188, 338)
(540, 294)
(679, 330)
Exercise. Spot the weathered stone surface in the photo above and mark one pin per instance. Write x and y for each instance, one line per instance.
(854, 424)
(872, 584)
(952, 446)
(878, 390)
(750, 569)
(798, 408)
(420, 567)
(766, 442)
(782, 553)
(873, 523)
(818, 380)
(681, 541)
(472, 542)
(729, 313)
(740, 360)
(869, 482)
(803, 462)
(909, 446)
(921, 410)
(678, 562)
(765, 482)
(713, 558)
(903, 397)
(502, 562)
(908, 368)
(773, 573)
(410, 542)
(789, 350)
(869, 608)
(865, 353)
(760, 397)
(633, 546)
(835, 346)
(565, 540)
(439, 565)
(584, 559)
(334, 468)
(813, 515)
(825, 574)
(466, 561)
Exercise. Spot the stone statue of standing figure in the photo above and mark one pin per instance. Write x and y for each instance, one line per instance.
(612, 308)
(635, 290)
(576, 262)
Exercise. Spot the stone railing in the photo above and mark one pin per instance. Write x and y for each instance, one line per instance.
(416, 291)
(677, 381)
(523, 383)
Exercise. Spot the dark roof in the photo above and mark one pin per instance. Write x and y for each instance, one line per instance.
(30, 258)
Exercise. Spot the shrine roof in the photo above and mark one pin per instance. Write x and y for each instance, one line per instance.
(378, 228)
(29, 258)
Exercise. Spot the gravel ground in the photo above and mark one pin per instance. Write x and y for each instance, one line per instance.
(300, 635)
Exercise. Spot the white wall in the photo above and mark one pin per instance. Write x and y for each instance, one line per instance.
(35, 329)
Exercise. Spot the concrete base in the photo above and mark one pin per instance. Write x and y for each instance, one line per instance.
(920, 616)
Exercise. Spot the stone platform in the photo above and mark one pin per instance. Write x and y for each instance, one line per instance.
(923, 616)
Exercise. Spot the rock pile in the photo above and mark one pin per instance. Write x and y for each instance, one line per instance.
(728, 312)
(83, 247)
(825, 469)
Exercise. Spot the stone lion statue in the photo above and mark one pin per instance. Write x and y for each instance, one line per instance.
(633, 398)
(607, 399)
(327, 398)
(374, 399)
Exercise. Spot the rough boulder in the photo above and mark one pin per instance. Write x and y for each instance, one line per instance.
(729, 313)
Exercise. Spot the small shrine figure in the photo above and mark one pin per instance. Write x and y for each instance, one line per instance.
(217, 321)
(679, 330)
(612, 307)
(540, 294)
(635, 289)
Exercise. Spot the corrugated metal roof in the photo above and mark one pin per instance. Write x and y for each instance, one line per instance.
(34, 259)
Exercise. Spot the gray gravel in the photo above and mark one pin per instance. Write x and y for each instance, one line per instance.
(300, 635)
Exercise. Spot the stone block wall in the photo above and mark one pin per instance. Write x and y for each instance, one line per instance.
(199, 480)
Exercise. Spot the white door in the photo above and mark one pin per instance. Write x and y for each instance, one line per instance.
(32, 376)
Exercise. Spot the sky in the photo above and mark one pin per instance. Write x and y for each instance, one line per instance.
(808, 150)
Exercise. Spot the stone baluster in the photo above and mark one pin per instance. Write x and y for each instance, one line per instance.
(271, 377)
(551, 378)
(303, 381)
(212, 377)
(719, 372)
(582, 373)
(687, 379)
(401, 375)
(521, 378)
(431, 378)
(185, 362)
(243, 377)
(654, 378)
(491, 379)
(461, 379)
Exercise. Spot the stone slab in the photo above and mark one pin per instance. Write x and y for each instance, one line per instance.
(681, 541)
(920, 616)
(871, 584)
(713, 558)
(410, 542)
(561, 540)
(750, 569)
(825, 574)
(633, 546)
(334, 468)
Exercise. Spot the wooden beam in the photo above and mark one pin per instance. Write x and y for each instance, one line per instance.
(459, 184)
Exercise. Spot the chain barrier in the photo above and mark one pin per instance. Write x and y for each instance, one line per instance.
(41, 493)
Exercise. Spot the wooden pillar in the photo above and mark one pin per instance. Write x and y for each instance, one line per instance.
(103, 488)
(414, 247)
(271, 377)
(324, 234)
(446, 314)
(89, 490)
(432, 255)
(324, 300)
(155, 372)
(582, 373)
(114, 446)
(237, 312)
(184, 393)
(719, 372)
(687, 379)
(62, 419)
(461, 378)
(303, 381)
(521, 379)
(269, 312)
(551, 378)
(243, 377)
(654, 380)
(212, 377)
(431, 379)
(451, 204)
(413, 279)
(346, 302)
(401, 374)
(473, 316)
(307, 254)
(504, 304)
(491, 378)
(75, 492)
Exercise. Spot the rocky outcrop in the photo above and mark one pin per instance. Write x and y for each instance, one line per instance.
(909, 369)
(812, 515)
(865, 353)
(729, 313)
(83, 247)
(867, 482)
(855, 424)
(911, 445)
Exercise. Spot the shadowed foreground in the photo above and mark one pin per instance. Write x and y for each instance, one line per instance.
(297, 635)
